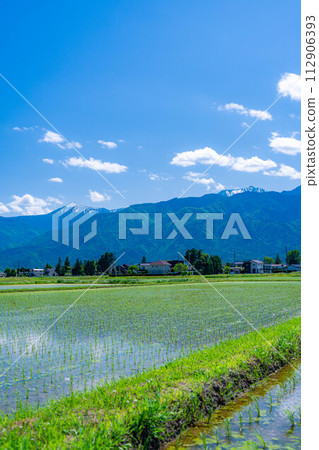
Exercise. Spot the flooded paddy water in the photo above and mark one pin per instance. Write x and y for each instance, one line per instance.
(112, 333)
(267, 417)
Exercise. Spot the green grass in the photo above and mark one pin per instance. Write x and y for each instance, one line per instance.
(146, 410)
(146, 279)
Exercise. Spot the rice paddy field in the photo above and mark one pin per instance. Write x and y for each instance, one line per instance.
(117, 332)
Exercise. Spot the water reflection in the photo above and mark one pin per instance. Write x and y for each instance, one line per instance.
(268, 416)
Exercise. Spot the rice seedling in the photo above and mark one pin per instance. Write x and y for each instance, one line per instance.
(227, 424)
(261, 440)
(203, 438)
(143, 410)
(291, 418)
(257, 406)
(118, 332)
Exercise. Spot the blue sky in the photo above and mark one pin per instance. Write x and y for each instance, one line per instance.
(151, 94)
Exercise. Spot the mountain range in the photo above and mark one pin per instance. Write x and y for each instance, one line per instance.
(272, 219)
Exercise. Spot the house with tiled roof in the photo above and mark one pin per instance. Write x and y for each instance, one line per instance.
(256, 266)
(160, 267)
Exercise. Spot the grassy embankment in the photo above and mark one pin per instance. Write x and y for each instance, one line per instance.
(147, 410)
(139, 280)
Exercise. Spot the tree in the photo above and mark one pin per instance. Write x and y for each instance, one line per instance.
(48, 266)
(77, 269)
(217, 266)
(89, 267)
(180, 268)
(193, 255)
(293, 257)
(133, 270)
(59, 267)
(278, 259)
(204, 264)
(269, 260)
(106, 261)
(10, 272)
(143, 260)
(226, 269)
(67, 265)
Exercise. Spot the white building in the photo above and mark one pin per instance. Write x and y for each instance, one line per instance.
(159, 268)
(36, 273)
(256, 266)
(144, 266)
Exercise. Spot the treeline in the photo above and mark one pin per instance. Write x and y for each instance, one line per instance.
(292, 257)
(203, 262)
(88, 267)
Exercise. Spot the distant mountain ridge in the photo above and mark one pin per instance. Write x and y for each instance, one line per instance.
(273, 220)
(230, 192)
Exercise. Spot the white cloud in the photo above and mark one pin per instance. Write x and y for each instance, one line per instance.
(24, 128)
(107, 144)
(285, 145)
(50, 137)
(3, 208)
(285, 171)
(27, 205)
(156, 177)
(208, 156)
(98, 197)
(56, 180)
(96, 164)
(240, 109)
(252, 165)
(290, 85)
(54, 200)
(199, 178)
(48, 160)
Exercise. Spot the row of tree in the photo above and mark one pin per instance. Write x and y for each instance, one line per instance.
(292, 257)
(203, 262)
(208, 265)
(88, 267)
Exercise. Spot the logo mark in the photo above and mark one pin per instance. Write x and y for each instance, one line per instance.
(72, 217)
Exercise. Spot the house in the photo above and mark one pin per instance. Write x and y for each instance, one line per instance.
(36, 273)
(49, 272)
(174, 262)
(2, 274)
(159, 268)
(270, 268)
(256, 266)
(122, 269)
(236, 266)
(144, 267)
(294, 268)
